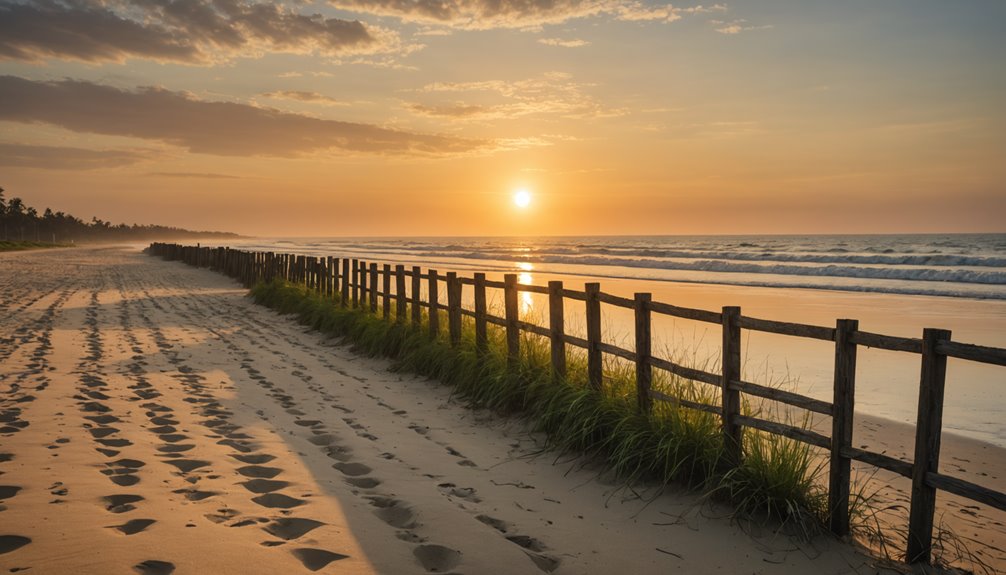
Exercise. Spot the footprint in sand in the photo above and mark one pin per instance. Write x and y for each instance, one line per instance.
(352, 469)
(291, 527)
(437, 558)
(278, 501)
(121, 503)
(395, 513)
(133, 526)
(259, 472)
(196, 495)
(8, 491)
(315, 559)
(264, 485)
(10, 543)
(363, 482)
(154, 567)
(254, 459)
(187, 465)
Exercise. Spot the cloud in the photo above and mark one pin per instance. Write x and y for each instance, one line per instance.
(196, 175)
(186, 31)
(302, 96)
(489, 14)
(450, 111)
(736, 26)
(67, 158)
(221, 128)
(554, 93)
(575, 43)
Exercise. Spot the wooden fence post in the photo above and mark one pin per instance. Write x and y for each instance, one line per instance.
(364, 292)
(644, 371)
(386, 285)
(843, 410)
(400, 293)
(557, 329)
(330, 275)
(454, 308)
(927, 445)
(595, 366)
(344, 292)
(417, 310)
(732, 432)
(434, 297)
(481, 308)
(355, 283)
(373, 288)
(512, 309)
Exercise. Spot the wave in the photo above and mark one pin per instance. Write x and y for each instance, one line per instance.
(907, 274)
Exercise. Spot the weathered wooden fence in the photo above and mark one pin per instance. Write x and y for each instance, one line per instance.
(353, 283)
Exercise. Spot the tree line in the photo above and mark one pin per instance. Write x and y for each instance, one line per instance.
(20, 222)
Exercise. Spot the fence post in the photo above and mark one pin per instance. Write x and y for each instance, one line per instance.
(373, 288)
(355, 283)
(595, 367)
(481, 335)
(330, 274)
(344, 292)
(556, 329)
(454, 308)
(927, 445)
(434, 297)
(386, 286)
(644, 371)
(512, 309)
(417, 310)
(843, 410)
(364, 292)
(400, 293)
(732, 432)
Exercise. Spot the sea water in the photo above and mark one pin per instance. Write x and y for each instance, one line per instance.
(893, 284)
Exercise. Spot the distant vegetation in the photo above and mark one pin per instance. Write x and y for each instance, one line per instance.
(21, 223)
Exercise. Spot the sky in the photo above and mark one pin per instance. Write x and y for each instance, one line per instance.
(425, 117)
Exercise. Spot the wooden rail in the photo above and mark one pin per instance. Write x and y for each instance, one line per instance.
(346, 282)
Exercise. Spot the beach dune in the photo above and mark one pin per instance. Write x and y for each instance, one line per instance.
(153, 420)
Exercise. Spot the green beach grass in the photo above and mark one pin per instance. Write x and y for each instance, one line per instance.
(778, 479)
(13, 246)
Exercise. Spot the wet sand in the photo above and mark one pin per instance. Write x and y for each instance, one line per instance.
(153, 420)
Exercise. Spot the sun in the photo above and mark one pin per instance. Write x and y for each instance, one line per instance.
(522, 198)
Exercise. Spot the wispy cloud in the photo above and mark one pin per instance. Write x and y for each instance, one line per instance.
(222, 128)
(554, 93)
(573, 43)
(489, 14)
(194, 175)
(68, 158)
(736, 26)
(186, 31)
(304, 96)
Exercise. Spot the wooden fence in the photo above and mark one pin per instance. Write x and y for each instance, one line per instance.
(355, 283)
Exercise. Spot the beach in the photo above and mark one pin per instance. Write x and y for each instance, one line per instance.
(154, 420)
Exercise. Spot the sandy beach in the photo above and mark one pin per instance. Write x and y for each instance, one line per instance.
(153, 420)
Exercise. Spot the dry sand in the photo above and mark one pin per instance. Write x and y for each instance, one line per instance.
(152, 419)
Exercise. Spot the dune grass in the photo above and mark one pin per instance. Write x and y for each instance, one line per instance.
(778, 479)
(13, 246)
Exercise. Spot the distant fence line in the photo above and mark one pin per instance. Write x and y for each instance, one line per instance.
(355, 284)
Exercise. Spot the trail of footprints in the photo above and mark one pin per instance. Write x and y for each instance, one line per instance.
(17, 396)
(260, 479)
(394, 512)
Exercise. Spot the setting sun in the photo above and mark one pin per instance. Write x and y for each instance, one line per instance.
(522, 198)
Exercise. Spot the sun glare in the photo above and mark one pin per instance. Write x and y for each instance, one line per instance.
(522, 198)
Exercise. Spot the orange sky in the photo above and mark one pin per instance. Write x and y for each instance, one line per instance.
(380, 117)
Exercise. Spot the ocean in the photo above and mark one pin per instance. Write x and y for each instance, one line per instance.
(894, 284)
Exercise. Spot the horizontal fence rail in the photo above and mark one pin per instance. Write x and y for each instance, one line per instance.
(361, 284)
